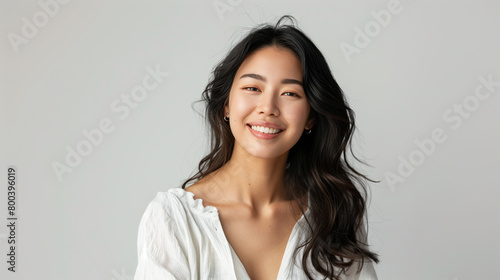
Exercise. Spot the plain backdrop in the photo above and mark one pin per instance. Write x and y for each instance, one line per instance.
(424, 83)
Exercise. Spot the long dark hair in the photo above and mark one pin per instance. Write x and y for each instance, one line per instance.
(317, 165)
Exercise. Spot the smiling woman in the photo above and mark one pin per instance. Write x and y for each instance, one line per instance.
(276, 197)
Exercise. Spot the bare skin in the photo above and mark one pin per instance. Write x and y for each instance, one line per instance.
(258, 235)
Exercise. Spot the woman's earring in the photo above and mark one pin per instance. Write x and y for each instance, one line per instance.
(226, 118)
(308, 131)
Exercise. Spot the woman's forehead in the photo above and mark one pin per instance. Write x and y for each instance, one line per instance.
(272, 62)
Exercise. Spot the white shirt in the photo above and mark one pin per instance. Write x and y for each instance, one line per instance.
(179, 238)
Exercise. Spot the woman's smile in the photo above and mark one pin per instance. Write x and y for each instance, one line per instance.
(264, 132)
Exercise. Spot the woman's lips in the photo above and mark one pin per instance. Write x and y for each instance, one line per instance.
(263, 135)
(265, 124)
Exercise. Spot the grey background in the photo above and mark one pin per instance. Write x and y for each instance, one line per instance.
(440, 223)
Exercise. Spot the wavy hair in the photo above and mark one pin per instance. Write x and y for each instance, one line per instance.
(317, 164)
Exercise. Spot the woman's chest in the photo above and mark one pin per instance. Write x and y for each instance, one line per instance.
(259, 243)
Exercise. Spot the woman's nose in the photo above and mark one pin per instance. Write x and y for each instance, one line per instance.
(268, 104)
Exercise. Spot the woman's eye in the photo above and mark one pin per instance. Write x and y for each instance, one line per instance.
(291, 94)
(251, 88)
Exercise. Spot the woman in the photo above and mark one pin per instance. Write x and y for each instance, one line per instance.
(275, 198)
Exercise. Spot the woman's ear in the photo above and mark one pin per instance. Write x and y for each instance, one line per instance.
(310, 123)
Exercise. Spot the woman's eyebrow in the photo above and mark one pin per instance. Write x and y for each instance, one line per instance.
(262, 78)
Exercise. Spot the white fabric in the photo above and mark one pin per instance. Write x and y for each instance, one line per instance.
(179, 238)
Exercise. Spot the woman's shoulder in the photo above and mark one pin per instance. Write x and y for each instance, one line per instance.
(207, 191)
(177, 202)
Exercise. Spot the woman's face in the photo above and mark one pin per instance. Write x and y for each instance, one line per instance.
(268, 109)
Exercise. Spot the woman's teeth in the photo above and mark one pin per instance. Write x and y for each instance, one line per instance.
(266, 129)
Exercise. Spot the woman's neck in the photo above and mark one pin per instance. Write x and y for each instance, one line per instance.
(257, 182)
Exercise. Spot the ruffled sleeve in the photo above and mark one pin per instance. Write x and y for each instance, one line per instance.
(160, 254)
